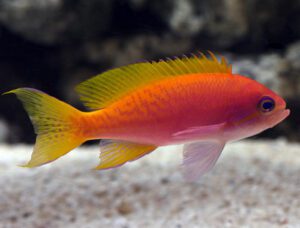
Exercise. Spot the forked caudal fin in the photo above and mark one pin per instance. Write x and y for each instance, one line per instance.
(54, 123)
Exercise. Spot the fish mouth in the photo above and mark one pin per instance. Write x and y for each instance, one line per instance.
(284, 113)
(280, 115)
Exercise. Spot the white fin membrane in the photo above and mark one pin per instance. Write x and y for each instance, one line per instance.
(200, 157)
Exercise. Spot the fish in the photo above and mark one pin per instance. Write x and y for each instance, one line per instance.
(196, 101)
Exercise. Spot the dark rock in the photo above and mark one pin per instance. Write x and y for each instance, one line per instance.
(250, 25)
(54, 21)
(290, 72)
(4, 131)
(217, 24)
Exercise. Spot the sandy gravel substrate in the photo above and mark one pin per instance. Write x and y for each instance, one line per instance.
(254, 184)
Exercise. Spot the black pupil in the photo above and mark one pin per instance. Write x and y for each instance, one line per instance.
(268, 105)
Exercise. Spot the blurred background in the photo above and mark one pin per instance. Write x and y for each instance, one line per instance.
(52, 45)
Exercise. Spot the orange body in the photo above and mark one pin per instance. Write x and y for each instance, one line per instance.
(154, 113)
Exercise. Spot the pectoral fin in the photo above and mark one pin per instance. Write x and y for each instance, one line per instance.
(200, 157)
(116, 153)
(199, 132)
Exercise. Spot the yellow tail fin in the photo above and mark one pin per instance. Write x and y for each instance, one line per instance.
(54, 123)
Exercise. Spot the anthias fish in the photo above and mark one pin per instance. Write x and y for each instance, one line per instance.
(196, 101)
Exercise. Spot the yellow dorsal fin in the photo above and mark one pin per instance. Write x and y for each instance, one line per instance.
(106, 88)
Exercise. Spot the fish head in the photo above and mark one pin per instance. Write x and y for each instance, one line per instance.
(271, 110)
(257, 109)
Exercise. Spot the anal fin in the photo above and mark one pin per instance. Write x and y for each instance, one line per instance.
(116, 153)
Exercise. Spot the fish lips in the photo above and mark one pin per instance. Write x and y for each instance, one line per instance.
(279, 116)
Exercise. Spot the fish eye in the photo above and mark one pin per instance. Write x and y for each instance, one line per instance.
(266, 104)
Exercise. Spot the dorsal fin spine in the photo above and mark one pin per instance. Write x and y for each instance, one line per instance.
(168, 67)
(184, 66)
(200, 64)
(202, 55)
(175, 65)
(162, 69)
(191, 63)
(212, 56)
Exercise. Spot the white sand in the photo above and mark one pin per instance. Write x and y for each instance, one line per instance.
(254, 184)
